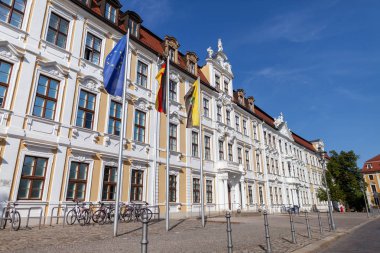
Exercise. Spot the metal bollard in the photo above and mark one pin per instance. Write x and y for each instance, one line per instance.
(144, 239)
(292, 228)
(320, 222)
(307, 225)
(229, 232)
(267, 236)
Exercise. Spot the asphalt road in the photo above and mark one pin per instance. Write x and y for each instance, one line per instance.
(363, 240)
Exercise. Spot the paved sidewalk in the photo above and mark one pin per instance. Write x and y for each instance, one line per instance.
(185, 235)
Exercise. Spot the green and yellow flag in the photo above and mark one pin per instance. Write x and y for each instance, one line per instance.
(192, 101)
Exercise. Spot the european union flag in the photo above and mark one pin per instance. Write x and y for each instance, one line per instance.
(114, 68)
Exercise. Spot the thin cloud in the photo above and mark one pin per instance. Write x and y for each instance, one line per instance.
(152, 12)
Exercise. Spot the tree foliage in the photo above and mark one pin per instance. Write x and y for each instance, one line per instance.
(344, 180)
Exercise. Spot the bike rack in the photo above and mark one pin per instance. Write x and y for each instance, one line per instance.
(40, 218)
(2, 217)
(59, 207)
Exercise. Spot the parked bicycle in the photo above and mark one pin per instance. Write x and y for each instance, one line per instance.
(105, 213)
(135, 211)
(79, 213)
(12, 216)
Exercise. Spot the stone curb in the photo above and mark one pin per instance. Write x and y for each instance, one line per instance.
(325, 242)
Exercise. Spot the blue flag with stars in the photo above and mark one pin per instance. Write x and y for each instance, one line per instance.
(114, 68)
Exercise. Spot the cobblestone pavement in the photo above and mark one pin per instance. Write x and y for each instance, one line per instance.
(185, 236)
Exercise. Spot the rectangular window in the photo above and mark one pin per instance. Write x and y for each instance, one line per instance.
(272, 164)
(270, 140)
(109, 183)
(370, 177)
(255, 132)
(110, 13)
(258, 162)
(219, 113)
(172, 54)
(173, 90)
(237, 122)
(373, 188)
(261, 195)
(271, 195)
(240, 158)
(142, 74)
(265, 138)
(86, 109)
(137, 185)
(114, 120)
(221, 150)
(230, 155)
(209, 191)
(139, 126)
(206, 108)
(250, 195)
(46, 98)
(217, 82)
(58, 30)
(280, 192)
(245, 127)
(247, 166)
(207, 148)
(228, 118)
(268, 164)
(32, 178)
(196, 190)
(132, 25)
(5, 73)
(226, 86)
(191, 67)
(172, 188)
(77, 181)
(194, 144)
(12, 12)
(173, 137)
(280, 145)
(93, 48)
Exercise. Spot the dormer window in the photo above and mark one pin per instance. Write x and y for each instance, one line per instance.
(110, 13)
(85, 2)
(369, 165)
(171, 54)
(132, 25)
(171, 48)
(191, 62)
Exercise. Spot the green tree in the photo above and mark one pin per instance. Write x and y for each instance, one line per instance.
(343, 179)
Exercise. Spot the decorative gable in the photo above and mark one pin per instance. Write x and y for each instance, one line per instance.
(282, 126)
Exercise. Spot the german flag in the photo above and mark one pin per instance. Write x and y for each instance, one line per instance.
(161, 94)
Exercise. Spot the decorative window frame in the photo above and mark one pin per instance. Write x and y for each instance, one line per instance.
(10, 54)
(196, 176)
(213, 190)
(175, 172)
(142, 105)
(92, 85)
(112, 162)
(176, 78)
(82, 157)
(141, 166)
(38, 150)
(66, 14)
(117, 99)
(98, 32)
(210, 135)
(140, 56)
(56, 72)
(204, 95)
(24, 25)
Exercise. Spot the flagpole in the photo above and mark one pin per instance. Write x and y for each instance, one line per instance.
(121, 143)
(201, 152)
(167, 141)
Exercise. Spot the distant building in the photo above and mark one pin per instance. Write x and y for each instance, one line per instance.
(371, 174)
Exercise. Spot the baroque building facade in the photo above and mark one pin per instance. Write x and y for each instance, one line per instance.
(371, 176)
(59, 129)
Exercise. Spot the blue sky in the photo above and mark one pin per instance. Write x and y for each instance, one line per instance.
(318, 62)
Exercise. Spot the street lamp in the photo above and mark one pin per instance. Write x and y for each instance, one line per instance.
(323, 162)
(364, 196)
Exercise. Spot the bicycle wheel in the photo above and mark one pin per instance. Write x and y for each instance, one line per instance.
(99, 217)
(111, 215)
(16, 221)
(148, 213)
(128, 214)
(4, 220)
(71, 217)
(84, 217)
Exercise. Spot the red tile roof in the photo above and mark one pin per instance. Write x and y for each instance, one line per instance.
(375, 162)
